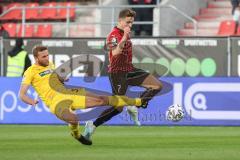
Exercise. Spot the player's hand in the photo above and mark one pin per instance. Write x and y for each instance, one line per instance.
(35, 102)
(127, 31)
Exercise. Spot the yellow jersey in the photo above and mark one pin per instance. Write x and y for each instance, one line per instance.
(45, 82)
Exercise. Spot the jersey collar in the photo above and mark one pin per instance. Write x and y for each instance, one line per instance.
(120, 30)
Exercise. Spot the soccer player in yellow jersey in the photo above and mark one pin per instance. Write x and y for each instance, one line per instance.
(63, 101)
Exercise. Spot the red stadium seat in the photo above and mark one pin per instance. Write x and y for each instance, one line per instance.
(48, 13)
(227, 28)
(32, 13)
(11, 28)
(14, 14)
(82, 31)
(44, 30)
(29, 30)
(62, 14)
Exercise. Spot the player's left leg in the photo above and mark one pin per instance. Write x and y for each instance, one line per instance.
(139, 77)
(63, 112)
(153, 86)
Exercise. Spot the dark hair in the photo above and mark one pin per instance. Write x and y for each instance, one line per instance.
(38, 48)
(126, 13)
(19, 42)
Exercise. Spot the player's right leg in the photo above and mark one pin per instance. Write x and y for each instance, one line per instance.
(115, 101)
(90, 100)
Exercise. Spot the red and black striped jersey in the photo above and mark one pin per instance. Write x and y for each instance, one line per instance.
(121, 62)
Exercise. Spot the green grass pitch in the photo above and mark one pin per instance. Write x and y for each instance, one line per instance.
(38, 142)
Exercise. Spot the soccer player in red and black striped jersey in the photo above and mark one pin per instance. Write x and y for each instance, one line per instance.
(121, 70)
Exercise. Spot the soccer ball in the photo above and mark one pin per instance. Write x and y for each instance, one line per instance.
(175, 113)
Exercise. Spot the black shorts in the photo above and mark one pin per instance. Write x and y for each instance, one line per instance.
(120, 81)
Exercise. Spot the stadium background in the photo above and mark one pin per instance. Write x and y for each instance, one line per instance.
(190, 50)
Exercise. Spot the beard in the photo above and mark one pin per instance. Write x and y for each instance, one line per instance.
(44, 64)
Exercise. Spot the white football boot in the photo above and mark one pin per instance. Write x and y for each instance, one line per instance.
(89, 130)
(133, 112)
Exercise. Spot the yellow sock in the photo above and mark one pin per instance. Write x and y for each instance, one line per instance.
(120, 101)
(74, 130)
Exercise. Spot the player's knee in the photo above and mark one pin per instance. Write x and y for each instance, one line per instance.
(102, 101)
(157, 86)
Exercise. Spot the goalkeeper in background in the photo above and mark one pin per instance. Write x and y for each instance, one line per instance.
(63, 101)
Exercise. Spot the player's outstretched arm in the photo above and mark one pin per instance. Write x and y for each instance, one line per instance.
(23, 95)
